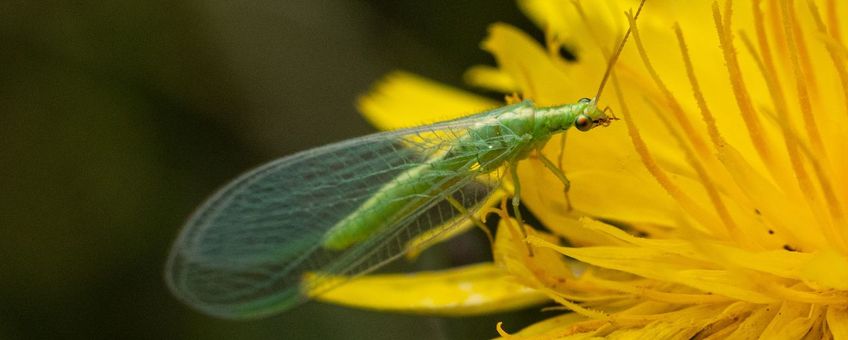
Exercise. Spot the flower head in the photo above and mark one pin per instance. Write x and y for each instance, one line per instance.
(717, 208)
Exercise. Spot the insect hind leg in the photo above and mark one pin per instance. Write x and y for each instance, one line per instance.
(482, 226)
(516, 201)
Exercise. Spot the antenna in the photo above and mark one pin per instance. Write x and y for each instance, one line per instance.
(617, 53)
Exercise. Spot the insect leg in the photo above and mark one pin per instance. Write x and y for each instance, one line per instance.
(610, 118)
(458, 206)
(516, 201)
(561, 157)
(566, 184)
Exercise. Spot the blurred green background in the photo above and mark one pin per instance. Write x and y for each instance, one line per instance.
(118, 118)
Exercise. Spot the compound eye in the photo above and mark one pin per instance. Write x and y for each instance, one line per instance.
(584, 101)
(583, 123)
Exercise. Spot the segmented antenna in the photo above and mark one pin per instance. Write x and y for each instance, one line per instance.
(617, 53)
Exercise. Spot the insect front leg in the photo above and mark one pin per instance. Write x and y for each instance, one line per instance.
(566, 184)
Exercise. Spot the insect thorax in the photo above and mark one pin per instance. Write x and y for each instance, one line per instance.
(510, 136)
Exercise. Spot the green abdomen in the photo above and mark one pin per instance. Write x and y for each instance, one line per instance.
(404, 193)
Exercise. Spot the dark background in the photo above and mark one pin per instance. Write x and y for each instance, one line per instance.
(119, 117)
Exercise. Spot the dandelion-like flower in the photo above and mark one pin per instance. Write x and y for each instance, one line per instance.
(717, 208)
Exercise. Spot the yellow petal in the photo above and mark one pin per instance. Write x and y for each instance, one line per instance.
(525, 61)
(753, 325)
(793, 321)
(470, 290)
(556, 323)
(680, 324)
(837, 321)
(663, 261)
(545, 267)
(490, 78)
(403, 100)
(826, 269)
(723, 213)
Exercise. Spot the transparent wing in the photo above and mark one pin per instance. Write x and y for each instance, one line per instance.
(246, 251)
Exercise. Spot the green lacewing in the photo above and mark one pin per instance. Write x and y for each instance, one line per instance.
(347, 208)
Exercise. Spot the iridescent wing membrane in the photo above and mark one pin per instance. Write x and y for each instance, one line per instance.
(246, 251)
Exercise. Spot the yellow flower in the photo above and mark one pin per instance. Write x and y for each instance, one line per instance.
(717, 208)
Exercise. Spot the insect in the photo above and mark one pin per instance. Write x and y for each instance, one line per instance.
(347, 208)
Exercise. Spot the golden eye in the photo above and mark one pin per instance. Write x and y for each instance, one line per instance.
(583, 122)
